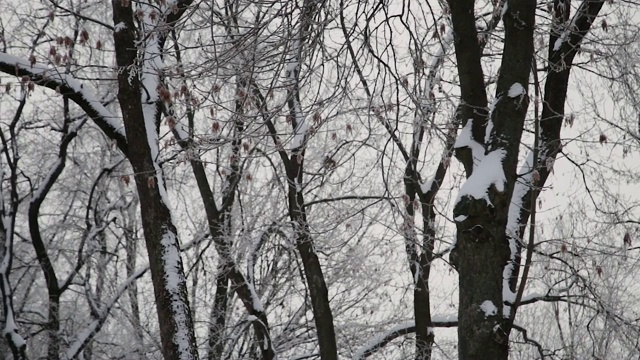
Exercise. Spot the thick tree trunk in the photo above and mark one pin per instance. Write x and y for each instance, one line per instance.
(482, 250)
(167, 273)
(482, 256)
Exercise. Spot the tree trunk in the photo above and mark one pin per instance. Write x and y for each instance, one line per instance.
(481, 212)
(165, 263)
(219, 314)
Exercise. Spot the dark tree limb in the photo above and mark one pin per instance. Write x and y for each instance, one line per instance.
(68, 86)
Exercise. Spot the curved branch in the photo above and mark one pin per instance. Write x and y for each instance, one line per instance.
(68, 86)
(378, 342)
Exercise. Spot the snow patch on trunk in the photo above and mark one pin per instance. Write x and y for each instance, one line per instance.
(152, 66)
(488, 172)
(255, 298)
(302, 125)
(460, 218)
(174, 285)
(425, 187)
(465, 139)
(516, 90)
(522, 186)
(302, 128)
(119, 27)
(488, 308)
(489, 129)
(564, 37)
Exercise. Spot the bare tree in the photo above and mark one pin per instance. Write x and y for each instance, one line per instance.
(311, 153)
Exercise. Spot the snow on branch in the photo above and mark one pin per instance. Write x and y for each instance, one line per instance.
(380, 340)
(578, 27)
(10, 330)
(68, 85)
(427, 105)
(408, 327)
(301, 124)
(94, 327)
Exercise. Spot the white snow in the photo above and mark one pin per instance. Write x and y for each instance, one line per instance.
(374, 341)
(83, 336)
(119, 27)
(10, 327)
(465, 139)
(294, 65)
(516, 90)
(95, 325)
(151, 68)
(559, 41)
(38, 193)
(174, 281)
(302, 128)
(488, 308)
(182, 133)
(488, 172)
(489, 129)
(426, 186)
(460, 218)
(566, 32)
(377, 339)
(532, 295)
(504, 9)
(433, 67)
(257, 303)
(302, 125)
(252, 318)
(255, 298)
(522, 186)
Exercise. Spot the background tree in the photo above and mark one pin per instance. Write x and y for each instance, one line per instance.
(304, 153)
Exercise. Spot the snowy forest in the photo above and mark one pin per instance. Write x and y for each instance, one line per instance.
(319, 179)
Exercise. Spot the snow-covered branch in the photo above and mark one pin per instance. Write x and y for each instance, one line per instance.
(94, 327)
(408, 327)
(69, 86)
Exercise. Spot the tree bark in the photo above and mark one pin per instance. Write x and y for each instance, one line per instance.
(167, 273)
(482, 246)
(560, 61)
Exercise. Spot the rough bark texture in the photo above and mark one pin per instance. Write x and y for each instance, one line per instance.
(560, 61)
(482, 247)
(156, 216)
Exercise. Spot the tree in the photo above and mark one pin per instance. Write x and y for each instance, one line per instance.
(310, 152)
